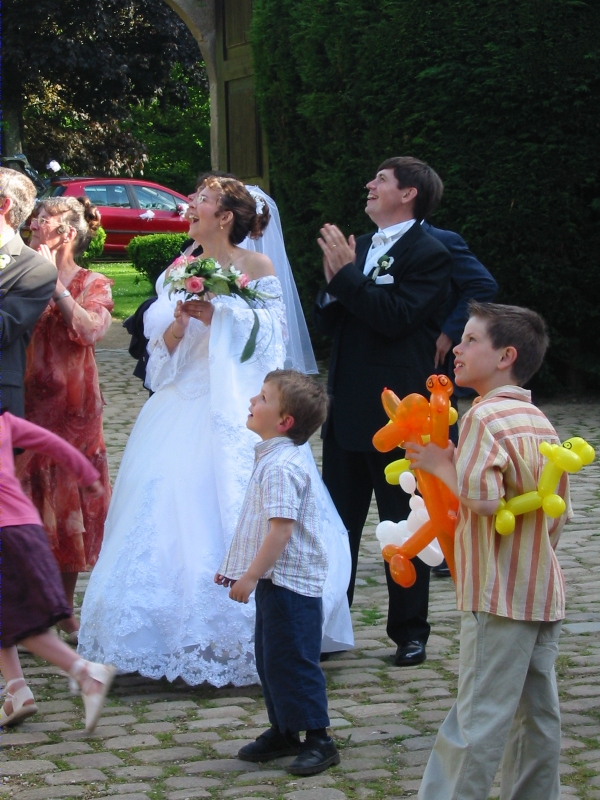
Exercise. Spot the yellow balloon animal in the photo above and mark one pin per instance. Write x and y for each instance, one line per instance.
(571, 456)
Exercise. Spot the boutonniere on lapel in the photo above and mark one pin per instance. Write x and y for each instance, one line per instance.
(5, 260)
(385, 262)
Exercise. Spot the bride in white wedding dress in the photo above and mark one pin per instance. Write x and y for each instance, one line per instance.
(151, 605)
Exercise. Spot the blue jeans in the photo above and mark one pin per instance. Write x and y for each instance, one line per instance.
(288, 646)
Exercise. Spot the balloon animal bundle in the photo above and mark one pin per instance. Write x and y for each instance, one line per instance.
(414, 419)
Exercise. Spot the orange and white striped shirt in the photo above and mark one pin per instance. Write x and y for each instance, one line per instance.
(516, 576)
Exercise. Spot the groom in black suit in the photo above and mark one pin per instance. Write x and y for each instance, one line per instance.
(27, 281)
(383, 305)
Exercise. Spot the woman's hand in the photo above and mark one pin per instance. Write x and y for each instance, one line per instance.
(50, 255)
(176, 330)
(199, 309)
(182, 318)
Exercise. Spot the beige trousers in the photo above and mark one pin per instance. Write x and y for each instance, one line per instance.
(506, 710)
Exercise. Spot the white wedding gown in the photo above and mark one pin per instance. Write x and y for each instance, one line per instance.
(151, 605)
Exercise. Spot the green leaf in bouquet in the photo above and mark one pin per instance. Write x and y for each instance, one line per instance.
(210, 265)
(250, 345)
(219, 285)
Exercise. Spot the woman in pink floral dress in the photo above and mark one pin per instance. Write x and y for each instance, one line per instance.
(62, 392)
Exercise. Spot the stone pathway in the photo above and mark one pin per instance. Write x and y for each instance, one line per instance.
(159, 740)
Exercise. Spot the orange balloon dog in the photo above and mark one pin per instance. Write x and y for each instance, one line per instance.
(412, 419)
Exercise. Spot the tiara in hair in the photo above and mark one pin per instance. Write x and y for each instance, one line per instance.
(259, 200)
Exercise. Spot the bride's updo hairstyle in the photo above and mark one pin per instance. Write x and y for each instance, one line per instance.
(77, 213)
(250, 217)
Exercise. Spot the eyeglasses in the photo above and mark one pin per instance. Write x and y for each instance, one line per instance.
(43, 221)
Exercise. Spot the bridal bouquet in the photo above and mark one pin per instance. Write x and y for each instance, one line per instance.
(198, 276)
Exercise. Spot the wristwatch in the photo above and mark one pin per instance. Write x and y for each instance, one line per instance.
(65, 293)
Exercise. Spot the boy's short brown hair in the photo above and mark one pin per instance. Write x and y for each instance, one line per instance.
(303, 398)
(513, 326)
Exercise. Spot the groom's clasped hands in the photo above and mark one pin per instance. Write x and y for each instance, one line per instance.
(337, 250)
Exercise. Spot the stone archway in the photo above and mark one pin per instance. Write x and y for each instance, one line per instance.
(200, 18)
(221, 28)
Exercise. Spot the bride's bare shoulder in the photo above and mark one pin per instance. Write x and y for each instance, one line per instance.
(255, 265)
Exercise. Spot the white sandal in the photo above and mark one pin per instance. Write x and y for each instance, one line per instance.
(103, 674)
(23, 705)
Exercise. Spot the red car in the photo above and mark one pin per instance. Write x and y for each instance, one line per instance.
(129, 207)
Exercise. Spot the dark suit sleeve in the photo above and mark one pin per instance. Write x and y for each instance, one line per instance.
(326, 313)
(23, 304)
(470, 281)
(396, 310)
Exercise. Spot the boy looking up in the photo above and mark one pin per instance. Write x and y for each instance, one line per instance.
(277, 550)
(510, 589)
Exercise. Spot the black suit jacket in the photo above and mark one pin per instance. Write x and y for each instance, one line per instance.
(383, 334)
(26, 286)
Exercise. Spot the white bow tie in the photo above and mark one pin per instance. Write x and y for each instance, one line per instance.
(379, 238)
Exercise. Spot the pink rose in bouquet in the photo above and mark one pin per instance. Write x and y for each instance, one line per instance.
(182, 261)
(194, 285)
(197, 276)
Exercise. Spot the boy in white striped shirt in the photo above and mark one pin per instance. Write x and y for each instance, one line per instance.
(278, 551)
(510, 589)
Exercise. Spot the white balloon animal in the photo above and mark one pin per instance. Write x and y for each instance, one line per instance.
(398, 532)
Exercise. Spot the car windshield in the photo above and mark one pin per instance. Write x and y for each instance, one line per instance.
(112, 195)
(53, 191)
(149, 197)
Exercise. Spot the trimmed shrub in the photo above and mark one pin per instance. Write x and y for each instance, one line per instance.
(94, 249)
(151, 254)
(502, 98)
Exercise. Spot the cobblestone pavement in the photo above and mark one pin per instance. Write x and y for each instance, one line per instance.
(159, 740)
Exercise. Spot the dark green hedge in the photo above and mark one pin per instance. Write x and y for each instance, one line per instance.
(151, 254)
(500, 96)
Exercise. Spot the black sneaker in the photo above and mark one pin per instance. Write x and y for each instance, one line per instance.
(316, 756)
(269, 745)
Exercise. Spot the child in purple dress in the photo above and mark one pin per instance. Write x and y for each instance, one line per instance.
(33, 598)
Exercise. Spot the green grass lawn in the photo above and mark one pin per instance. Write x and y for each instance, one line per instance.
(130, 287)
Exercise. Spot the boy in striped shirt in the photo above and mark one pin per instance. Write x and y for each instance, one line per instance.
(510, 589)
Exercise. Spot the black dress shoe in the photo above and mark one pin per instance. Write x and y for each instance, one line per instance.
(441, 571)
(269, 745)
(409, 654)
(316, 756)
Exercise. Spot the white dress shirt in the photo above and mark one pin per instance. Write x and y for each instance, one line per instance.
(383, 240)
(9, 233)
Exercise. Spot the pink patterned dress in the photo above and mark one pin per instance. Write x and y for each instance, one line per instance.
(62, 394)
